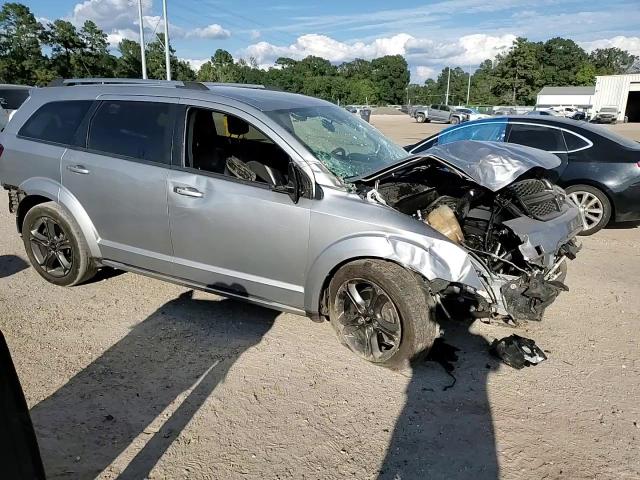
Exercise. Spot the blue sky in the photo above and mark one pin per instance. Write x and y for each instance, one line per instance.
(429, 34)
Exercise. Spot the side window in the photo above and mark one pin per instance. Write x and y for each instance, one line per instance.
(140, 130)
(574, 142)
(492, 132)
(221, 143)
(56, 121)
(544, 138)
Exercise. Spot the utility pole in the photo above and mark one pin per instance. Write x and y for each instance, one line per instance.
(166, 39)
(469, 86)
(142, 54)
(446, 101)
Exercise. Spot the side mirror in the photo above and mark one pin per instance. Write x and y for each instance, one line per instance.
(292, 187)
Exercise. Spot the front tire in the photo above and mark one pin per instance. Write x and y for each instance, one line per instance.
(454, 121)
(594, 206)
(420, 118)
(55, 246)
(382, 312)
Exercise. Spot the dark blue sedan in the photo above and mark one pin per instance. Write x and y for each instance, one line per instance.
(600, 169)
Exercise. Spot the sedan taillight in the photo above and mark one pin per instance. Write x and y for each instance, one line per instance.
(1, 149)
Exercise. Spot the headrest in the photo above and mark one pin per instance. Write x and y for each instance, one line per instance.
(237, 126)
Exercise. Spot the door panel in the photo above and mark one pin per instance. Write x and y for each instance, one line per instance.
(233, 236)
(127, 203)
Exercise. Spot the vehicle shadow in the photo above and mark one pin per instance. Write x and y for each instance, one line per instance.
(623, 225)
(186, 345)
(445, 430)
(11, 264)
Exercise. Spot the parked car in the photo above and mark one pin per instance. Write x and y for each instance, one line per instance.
(465, 114)
(4, 118)
(606, 115)
(436, 113)
(12, 96)
(505, 111)
(599, 169)
(543, 113)
(286, 201)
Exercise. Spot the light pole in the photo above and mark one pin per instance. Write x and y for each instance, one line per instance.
(446, 100)
(142, 54)
(469, 86)
(166, 39)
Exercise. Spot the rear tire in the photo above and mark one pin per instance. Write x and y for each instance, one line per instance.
(420, 118)
(55, 245)
(382, 312)
(594, 206)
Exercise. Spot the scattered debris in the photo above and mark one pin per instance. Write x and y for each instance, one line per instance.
(445, 355)
(517, 352)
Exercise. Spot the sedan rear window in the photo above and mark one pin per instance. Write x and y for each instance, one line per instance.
(56, 121)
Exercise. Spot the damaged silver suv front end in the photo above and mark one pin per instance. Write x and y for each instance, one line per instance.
(513, 227)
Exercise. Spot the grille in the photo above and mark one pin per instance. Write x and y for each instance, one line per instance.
(528, 187)
(539, 198)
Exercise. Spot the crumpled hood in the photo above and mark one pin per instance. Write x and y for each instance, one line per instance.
(493, 165)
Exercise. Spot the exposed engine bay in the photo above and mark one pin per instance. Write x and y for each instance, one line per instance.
(521, 234)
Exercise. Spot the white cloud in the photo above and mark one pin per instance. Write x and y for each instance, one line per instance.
(109, 14)
(329, 48)
(429, 56)
(210, 31)
(255, 34)
(422, 72)
(195, 63)
(630, 44)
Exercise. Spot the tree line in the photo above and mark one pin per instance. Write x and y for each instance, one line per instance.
(512, 78)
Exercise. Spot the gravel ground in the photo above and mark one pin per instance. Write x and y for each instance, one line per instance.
(130, 377)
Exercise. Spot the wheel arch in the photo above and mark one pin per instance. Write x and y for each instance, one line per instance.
(39, 190)
(441, 260)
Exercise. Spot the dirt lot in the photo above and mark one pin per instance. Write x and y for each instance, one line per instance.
(131, 377)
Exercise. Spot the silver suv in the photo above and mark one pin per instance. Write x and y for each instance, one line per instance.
(286, 201)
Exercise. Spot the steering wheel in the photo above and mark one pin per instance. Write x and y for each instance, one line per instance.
(339, 152)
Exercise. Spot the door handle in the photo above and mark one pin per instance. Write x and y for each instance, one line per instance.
(81, 169)
(188, 192)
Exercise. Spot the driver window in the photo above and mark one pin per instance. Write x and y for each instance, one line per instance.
(221, 143)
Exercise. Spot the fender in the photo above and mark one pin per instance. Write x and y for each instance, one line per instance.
(433, 259)
(49, 188)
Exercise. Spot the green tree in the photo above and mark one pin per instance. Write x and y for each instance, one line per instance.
(129, 63)
(220, 68)
(611, 61)
(156, 68)
(65, 43)
(391, 77)
(519, 73)
(586, 74)
(94, 58)
(561, 59)
(21, 59)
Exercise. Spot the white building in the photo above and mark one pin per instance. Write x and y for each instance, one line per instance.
(581, 97)
(620, 91)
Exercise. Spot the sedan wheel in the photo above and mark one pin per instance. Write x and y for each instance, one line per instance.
(594, 207)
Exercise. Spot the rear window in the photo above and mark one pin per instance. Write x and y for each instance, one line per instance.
(574, 142)
(56, 121)
(140, 130)
(12, 98)
(544, 138)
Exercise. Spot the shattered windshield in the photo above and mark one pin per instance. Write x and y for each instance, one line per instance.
(345, 144)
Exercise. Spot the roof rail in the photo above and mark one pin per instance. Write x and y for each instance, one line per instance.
(68, 82)
(239, 85)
